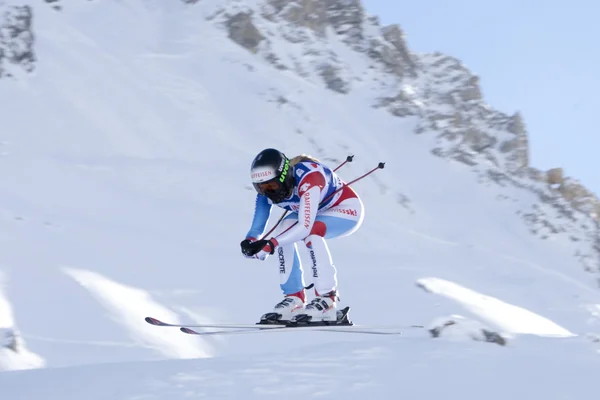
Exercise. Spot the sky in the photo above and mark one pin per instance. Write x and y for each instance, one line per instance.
(539, 58)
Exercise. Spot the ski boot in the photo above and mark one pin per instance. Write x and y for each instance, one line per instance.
(285, 310)
(322, 309)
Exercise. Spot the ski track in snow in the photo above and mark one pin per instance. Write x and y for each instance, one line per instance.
(504, 316)
(129, 306)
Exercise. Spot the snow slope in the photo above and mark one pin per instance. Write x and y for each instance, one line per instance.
(386, 369)
(125, 193)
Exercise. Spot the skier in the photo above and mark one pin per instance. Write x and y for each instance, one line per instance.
(304, 186)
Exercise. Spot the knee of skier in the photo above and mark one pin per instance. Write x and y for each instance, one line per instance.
(311, 238)
(319, 228)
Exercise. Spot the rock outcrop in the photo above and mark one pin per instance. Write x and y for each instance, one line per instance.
(16, 40)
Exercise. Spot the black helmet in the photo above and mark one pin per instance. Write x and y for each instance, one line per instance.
(272, 176)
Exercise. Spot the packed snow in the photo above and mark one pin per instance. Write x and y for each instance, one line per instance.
(125, 193)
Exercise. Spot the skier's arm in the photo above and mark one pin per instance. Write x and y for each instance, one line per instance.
(310, 195)
(262, 211)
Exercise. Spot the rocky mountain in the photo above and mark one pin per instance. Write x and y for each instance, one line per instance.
(335, 43)
(16, 39)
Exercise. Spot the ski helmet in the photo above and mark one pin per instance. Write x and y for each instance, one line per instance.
(272, 176)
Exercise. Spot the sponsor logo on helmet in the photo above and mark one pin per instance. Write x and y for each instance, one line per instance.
(284, 172)
(261, 175)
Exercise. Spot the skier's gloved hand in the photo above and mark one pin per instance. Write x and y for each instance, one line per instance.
(267, 250)
(261, 255)
(251, 248)
(245, 246)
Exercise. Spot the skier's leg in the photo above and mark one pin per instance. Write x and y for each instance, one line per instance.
(324, 273)
(290, 269)
(290, 274)
(341, 220)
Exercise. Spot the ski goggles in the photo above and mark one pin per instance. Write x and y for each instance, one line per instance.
(268, 187)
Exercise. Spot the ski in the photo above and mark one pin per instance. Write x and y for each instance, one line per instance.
(157, 322)
(284, 328)
(270, 323)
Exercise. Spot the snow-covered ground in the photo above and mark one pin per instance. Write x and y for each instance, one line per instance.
(389, 368)
(125, 193)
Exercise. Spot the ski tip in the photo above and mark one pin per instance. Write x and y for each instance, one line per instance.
(188, 331)
(154, 321)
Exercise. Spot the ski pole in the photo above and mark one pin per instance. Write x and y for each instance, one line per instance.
(348, 159)
(380, 166)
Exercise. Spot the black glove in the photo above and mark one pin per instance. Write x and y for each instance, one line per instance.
(250, 248)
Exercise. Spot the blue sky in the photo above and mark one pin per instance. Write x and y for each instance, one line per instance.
(538, 57)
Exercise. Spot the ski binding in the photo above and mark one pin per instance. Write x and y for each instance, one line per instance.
(300, 320)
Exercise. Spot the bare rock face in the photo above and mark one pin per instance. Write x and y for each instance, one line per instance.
(395, 36)
(332, 78)
(16, 40)
(308, 26)
(468, 130)
(346, 17)
(243, 31)
(391, 51)
(580, 197)
(519, 145)
(555, 176)
(303, 13)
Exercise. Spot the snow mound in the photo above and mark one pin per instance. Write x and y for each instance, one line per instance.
(14, 354)
(129, 306)
(504, 316)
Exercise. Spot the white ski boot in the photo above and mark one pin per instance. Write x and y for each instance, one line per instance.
(286, 309)
(322, 308)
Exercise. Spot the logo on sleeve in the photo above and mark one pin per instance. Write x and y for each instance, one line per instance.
(305, 186)
(307, 210)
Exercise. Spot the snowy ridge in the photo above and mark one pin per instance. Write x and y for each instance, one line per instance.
(336, 44)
